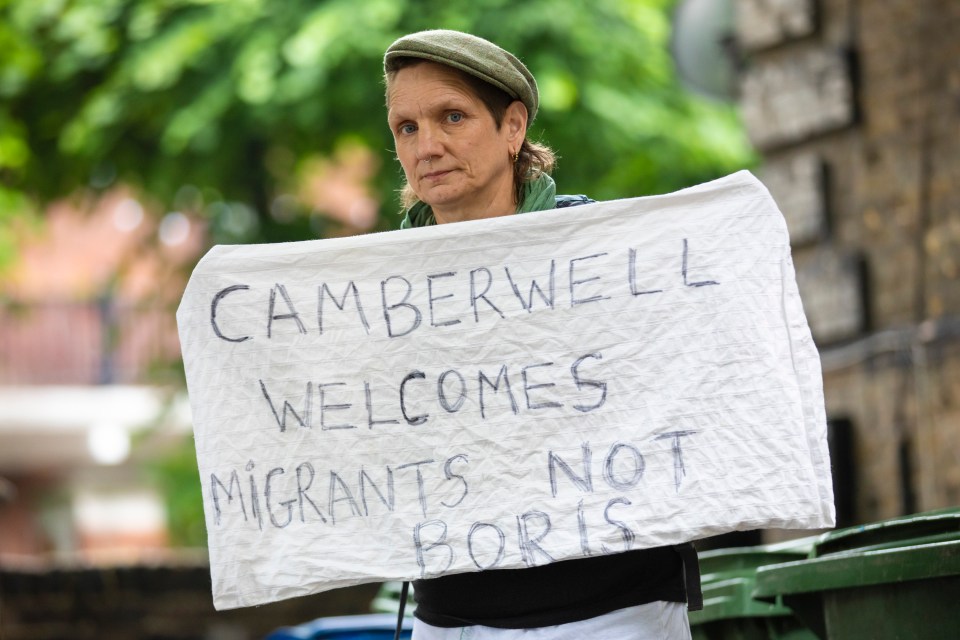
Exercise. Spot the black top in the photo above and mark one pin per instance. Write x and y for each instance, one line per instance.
(552, 594)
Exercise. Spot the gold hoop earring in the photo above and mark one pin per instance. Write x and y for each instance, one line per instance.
(516, 157)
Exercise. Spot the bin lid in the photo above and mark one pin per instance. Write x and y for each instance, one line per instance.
(922, 528)
(721, 563)
(731, 599)
(914, 547)
(859, 569)
(728, 577)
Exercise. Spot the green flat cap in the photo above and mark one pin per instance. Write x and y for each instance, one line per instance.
(476, 56)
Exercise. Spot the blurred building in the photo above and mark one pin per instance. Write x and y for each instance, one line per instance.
(89, 397)
(86, 328)
(91, 394)
(855, 107)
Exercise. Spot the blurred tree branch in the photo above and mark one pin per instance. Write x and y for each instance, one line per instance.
(162, 94)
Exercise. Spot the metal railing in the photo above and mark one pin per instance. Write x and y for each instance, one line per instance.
(105, 341)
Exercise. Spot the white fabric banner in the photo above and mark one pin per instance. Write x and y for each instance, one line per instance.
(502, 393)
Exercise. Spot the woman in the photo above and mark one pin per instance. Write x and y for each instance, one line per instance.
(459, 108)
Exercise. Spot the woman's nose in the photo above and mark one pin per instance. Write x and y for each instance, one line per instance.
(429, 144)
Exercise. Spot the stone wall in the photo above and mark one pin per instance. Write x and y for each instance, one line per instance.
(855, 108)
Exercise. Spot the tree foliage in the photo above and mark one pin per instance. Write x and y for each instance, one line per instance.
(217, 107)
(206, 102)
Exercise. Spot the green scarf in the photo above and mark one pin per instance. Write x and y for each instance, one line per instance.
(538, 195)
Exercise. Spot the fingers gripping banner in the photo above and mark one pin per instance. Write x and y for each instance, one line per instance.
(502, 393)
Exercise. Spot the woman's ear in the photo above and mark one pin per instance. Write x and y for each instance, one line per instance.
(515, 121)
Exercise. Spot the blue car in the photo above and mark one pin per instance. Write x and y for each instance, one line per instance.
(374, 626)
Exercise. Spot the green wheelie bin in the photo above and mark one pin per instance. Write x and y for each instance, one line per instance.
(894, 579)
(729, 612)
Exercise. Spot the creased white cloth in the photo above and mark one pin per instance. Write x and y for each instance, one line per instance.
(502, 393)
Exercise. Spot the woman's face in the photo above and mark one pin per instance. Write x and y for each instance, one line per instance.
(453, 154)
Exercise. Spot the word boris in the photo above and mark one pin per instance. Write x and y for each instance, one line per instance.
(533, 387)
(437, 545)
(439, 300)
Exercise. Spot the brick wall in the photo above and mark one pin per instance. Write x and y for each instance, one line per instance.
(165, 602)
(855, 107)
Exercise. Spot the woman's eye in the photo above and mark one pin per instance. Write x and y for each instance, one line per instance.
(406, 129)
(455, 117)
